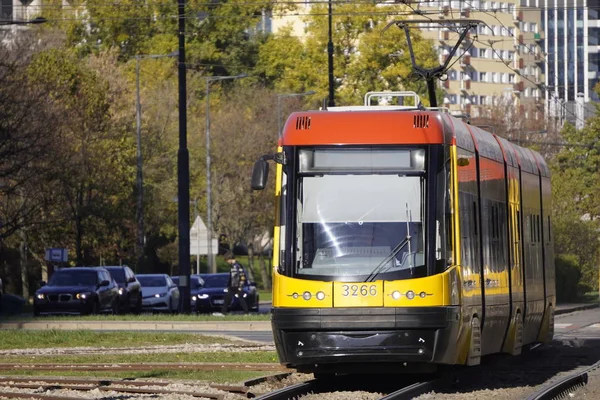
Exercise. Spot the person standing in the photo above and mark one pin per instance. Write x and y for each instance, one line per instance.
(237, 280)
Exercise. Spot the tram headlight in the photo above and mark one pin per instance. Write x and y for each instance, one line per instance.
(396, 295)
(306, 296)
(422, 295)
(320, 296)
(410, 295)
(295, 295)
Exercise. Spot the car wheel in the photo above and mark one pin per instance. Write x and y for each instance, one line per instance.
(36, 312)
(255, 308)
(116, 306)
(95, 308)
(126, 309)
(138, 306)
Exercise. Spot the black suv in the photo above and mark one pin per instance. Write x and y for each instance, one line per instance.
(130, 292)
(77, 291)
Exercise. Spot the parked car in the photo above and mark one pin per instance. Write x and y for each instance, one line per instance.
(130, 290)
(212, 295)
(77, 291)
(159, 293)
(196, 283)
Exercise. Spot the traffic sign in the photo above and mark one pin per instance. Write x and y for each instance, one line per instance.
(57, 255)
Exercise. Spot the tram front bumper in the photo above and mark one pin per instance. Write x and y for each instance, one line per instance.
(366, 335)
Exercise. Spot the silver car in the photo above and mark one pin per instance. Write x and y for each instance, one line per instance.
(159, 293)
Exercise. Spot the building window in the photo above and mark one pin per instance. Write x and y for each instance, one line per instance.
(483, 53)
(511, 7)
(482, 100)
(452, 75)
(494, 77)
(452, 99)
(526, 92)
(483, 77)
(503, 77)
(510, 55)
(511, 78)
(533, 27)
(483, 5)
(524, 26)
(511, 31)
(494, 5)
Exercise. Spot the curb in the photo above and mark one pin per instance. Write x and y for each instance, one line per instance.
(225, 326)
(576, 308)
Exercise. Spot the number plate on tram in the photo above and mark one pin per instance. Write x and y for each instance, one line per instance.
(358, 294)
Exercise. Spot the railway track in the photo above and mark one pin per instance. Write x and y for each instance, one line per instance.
(561, 388)
(107, 386)
(111, 367)
(341, 384)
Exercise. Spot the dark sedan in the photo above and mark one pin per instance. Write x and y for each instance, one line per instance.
(196, 283)
(77, 291)
(212, 295)
(130, 290)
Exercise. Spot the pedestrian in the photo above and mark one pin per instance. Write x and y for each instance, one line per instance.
(237, 280)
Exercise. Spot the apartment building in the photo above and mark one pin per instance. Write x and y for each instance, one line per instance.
(572, 48)
(498, 62)
(19, 10)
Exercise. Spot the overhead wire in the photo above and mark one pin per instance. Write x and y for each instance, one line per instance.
(507, 64)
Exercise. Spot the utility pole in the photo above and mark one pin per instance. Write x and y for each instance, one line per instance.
(331, 102)
(183, 173)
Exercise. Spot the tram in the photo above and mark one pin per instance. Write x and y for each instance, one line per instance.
(406, 238)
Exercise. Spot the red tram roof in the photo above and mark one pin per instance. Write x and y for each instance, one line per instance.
(365, 128)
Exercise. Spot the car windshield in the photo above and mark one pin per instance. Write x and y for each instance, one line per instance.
(73, 277)
(215, 281)
(195, 282)
(118, 274)
(152, 281)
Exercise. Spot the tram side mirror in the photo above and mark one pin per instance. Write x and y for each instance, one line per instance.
(260, 174)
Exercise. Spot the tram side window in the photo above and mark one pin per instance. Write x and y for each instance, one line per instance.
(468, 230)
(443, 245)
(282, 220)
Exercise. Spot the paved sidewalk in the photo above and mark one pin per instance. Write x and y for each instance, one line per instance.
(186, 326)
(569, 308)
(212, 326)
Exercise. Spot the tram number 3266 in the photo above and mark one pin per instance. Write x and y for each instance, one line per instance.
(359, 290)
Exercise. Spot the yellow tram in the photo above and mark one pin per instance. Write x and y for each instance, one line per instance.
(406, 238)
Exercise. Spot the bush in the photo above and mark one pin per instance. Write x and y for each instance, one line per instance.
(568, 275)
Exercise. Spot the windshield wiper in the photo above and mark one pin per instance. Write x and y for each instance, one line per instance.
(378, 269)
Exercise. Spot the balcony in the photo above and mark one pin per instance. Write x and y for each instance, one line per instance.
(465, 60)
(443, 35)
(446, 84)
(518, 87)
(465, 85)
(466, 13)
(518, 15)
(444, 11)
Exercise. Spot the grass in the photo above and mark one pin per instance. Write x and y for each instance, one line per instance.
(211, 357)
(590, 297)
(142, 317)
(27, 339)
(265, 295)
(207, 376)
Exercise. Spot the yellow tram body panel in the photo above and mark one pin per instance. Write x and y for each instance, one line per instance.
(436, 290)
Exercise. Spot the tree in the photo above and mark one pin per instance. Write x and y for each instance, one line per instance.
(89, 152)
(576, 196)
(365, 58)
(244, 128)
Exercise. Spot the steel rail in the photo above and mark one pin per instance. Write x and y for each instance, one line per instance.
(143, 367)
(558, 389)
(412, 391)
(35, 396)
(294, 391)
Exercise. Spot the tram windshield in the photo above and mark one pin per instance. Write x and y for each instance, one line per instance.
(355, 225)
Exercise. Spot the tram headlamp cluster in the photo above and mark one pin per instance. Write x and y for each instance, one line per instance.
(409, 295)
(308, 295)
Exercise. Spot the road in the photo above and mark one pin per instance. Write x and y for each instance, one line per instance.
(578, 325)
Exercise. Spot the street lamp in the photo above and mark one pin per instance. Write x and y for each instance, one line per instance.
(38, 20)
(138, 120)
(285, 95)
(211, 266)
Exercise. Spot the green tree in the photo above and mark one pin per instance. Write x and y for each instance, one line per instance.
(365, 57)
